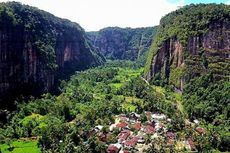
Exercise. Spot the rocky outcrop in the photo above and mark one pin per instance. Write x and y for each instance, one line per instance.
(123, 43)
(37, 49)
(175, 60)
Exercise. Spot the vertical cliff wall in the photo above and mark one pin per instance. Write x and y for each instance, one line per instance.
(191, 41)
(123, 43)
(37, 49)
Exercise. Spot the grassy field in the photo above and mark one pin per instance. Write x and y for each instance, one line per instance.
(125, 75)
(20, 147)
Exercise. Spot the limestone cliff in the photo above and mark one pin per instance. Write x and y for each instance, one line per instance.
(191, 41)
(123, 43)
(37, 49)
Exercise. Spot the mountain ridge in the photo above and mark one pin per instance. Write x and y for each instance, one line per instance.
(37, 49)
(194, 35)
(123, 43)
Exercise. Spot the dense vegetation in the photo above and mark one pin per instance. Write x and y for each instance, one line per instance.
(205, 68)
(62, 123)
(37, 49)
(191, 20)
(123, 43)
(43, 29)
(209, 100)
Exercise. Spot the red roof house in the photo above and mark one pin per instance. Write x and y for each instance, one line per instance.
(191, 144)
(112, 149)
(200, 130)
(149, 129)
(131, 143)
(137, 126)
(121, 124)
(123, 135)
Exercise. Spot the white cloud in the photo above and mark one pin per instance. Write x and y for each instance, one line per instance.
(181, 2)
(228, 2)
(97, 14)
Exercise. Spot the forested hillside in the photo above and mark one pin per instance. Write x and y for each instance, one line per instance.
(123, 43)
(191, 42)
(179, 102)
(191, 53)
(63, 123)
(37, 49)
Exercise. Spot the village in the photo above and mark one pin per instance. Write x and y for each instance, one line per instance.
(138, 133)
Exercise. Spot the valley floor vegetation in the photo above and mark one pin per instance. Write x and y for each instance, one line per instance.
(96, 97)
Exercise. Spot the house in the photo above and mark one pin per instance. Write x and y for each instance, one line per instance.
(170, 135)
(196, 121)
(121, 125)
(114, 148)
(169, 141)
(191, 144)
(133, 131)
(158, 116)
(141, 140)
(169, 120)
(131, 143)
(134, 116)
(149, 129)
(154, 136)
(158, 126)
(200, 130)
(98, 127)
(141, 135)
(136, 126)
(123, 135)
(102, 136)
(112, 127)
(124, 119)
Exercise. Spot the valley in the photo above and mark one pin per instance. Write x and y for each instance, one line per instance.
(160, 89)
(99, 105)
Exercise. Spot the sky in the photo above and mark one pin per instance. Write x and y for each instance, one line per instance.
(93, 15)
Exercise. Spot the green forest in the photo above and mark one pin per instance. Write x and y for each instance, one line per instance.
(176, 102)
(93, 97)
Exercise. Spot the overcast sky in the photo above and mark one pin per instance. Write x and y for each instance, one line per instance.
(93, 15)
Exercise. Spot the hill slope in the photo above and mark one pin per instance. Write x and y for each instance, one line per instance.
(190, 42)
(123, 43)
(37, 49)
(191, 52)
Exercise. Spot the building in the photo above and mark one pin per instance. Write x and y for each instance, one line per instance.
(114, 148)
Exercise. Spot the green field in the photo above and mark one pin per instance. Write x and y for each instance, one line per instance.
(20, 147)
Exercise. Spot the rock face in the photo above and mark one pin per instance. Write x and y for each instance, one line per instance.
(123, 43)
(37, 49)
(175, 60)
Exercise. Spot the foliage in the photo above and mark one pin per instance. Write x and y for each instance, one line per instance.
(123, 43)
(205, 73)
(89, 98)
(189, 21)
(208, 99)
(43, 30)
(20, 147)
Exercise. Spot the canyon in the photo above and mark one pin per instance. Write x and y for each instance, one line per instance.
(38, 49)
